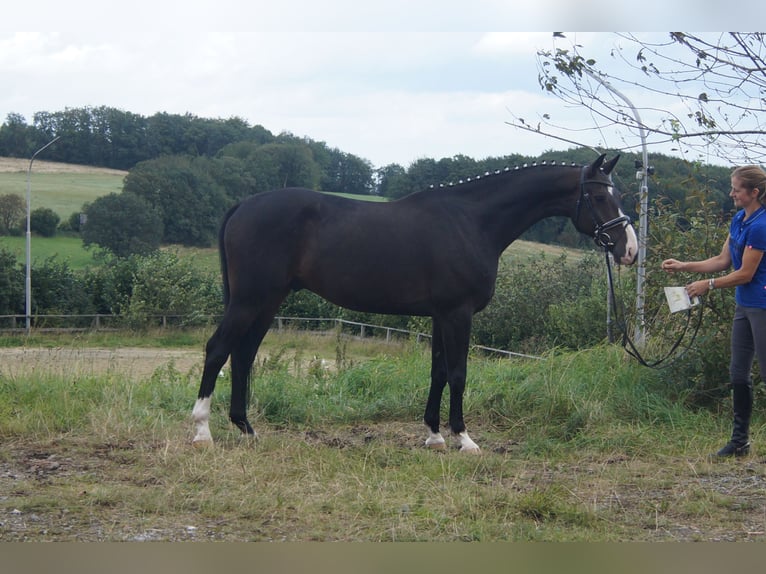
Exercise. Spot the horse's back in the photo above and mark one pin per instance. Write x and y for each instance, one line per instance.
(403, 257)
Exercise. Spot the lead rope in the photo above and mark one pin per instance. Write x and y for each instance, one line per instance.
(628, 344)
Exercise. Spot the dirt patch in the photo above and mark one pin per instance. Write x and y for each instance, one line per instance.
(133, 361)
(13, 165)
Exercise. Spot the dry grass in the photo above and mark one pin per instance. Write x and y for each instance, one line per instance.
(93, 452)
(17, 165)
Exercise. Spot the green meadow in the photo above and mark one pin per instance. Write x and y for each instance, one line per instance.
(64, 193)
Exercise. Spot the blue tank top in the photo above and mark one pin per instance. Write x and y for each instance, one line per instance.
(749, 234)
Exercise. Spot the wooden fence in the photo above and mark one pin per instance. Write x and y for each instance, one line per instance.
(14, 324)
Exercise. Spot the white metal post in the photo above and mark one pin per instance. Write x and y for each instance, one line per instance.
(28, 288)
(643, 216)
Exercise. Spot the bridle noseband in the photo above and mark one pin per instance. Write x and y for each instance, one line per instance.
(600, 231)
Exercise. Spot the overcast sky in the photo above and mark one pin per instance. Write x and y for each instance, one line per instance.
(389, 81)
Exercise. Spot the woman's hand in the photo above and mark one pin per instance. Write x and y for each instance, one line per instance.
(672, 265)
(697, 288)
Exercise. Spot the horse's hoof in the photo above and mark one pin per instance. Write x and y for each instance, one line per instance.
(435, 441)
(249, 438)
(202, 443)
(467, 445)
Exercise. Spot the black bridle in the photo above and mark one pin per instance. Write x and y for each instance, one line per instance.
(601, 229)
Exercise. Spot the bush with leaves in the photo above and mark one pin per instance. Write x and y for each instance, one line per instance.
(123, 223)
(536, 301)
(12, 209)
(44, 221)
(58, 290)
(164, 283)
(11, 284)
(694, 233)
(184, 193)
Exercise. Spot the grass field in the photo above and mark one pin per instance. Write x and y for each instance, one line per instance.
(580, 446)
(63, 188)
(69, 249)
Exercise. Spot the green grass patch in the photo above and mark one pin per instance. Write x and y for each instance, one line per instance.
(63, 248)
(64, 193)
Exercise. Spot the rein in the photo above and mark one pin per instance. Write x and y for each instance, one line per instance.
(605, 241)
(629, 345)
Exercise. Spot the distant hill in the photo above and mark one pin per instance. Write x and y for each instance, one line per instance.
(62, 187)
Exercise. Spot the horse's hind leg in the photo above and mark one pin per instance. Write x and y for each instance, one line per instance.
(242, 358)
(217, 350)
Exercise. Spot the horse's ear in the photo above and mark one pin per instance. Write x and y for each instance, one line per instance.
(610, 164)
(594, 167)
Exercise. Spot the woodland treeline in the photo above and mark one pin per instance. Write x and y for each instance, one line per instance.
(186, 171)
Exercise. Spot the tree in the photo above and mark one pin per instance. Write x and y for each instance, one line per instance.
(342, 172)
(123, 224)
(12, 208)
(280, 165)
(717, 79)
(392, 181)
(184, 193)
(44, 221)
(15, 137)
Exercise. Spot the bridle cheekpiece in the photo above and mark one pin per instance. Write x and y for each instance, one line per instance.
(601, 229)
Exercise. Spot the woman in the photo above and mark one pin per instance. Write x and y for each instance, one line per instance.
(743, 250)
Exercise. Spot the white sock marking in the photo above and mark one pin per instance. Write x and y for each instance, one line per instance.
(201, 416)
(466, 444)
(435, 440)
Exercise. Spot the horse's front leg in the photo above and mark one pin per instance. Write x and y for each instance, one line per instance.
(456, 390)
(438, 381)
(449, 356)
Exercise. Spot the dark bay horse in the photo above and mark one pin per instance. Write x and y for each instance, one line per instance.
(433, 253)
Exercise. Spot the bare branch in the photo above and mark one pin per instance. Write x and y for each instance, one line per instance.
(706, 93)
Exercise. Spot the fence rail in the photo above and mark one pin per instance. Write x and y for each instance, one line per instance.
(107, 322)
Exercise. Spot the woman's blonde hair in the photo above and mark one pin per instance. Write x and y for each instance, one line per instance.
(752, 176)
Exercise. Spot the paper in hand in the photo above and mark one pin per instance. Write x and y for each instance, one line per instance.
(678, 299)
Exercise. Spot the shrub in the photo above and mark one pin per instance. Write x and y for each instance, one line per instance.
(11, 284)
(164, 283)
(124, 223)
(44, 221)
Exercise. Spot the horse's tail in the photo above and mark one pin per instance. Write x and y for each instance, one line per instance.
(222, 254)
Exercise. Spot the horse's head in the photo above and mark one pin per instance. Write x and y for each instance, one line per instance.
(598, 212)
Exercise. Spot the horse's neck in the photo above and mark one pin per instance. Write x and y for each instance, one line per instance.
(508, 208)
